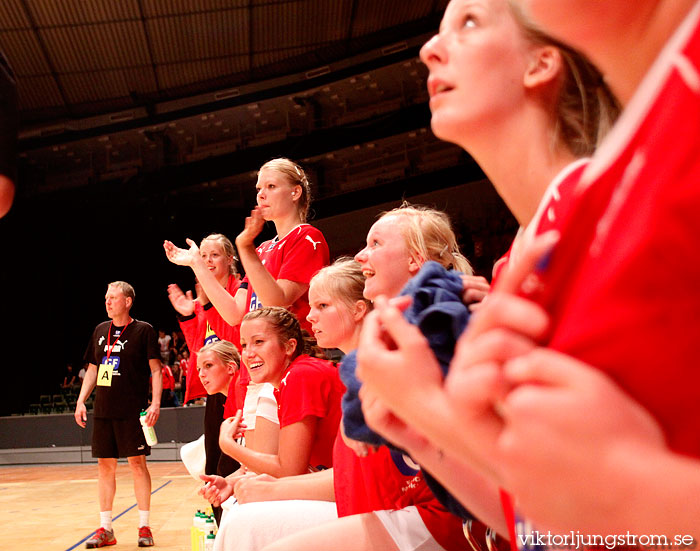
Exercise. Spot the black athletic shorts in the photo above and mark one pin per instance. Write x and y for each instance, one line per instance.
(118, 438)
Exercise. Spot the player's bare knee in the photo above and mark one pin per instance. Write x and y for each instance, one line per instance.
(138, 464)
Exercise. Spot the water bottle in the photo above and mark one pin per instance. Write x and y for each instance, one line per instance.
(206, 524)
(209, 544)
(198, 531)
(148, 432)
(194, 532)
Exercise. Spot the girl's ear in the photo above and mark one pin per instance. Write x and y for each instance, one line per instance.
(290, 346)
(415, 261)
(231, 368)
(360, 310)
(545, 66)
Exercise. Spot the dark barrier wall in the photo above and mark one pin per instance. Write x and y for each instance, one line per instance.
(42, 431)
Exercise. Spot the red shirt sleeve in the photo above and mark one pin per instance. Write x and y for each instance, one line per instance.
(190, 329)
(194, 330)
(220, 326)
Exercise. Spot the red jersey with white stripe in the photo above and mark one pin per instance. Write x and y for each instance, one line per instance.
(296, 257)
(622, 284)
(387, 480)
(552, 210)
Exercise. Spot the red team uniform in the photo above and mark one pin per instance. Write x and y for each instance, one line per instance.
(622, 283)
(312, 387)
(217, 325)
(203, 327)
(296, 257)
(553, 209)
(387, 480)
(198, 331)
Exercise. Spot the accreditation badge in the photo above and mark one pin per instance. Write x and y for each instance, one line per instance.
(104, 375)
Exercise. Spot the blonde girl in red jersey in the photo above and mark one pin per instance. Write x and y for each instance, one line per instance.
(278, 271)
(199, 322)
(201, 325)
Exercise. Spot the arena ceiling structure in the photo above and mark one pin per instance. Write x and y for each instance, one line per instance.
(180, 101)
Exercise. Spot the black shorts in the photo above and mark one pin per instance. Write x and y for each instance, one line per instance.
(118, 438)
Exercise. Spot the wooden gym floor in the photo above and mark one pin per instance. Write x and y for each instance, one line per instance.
(55, 508)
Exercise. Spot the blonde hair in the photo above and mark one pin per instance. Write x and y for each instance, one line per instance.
(224, 350)
(343, 279)
(585, 109)
(429, 236)
(296, 176)
(126, 289)
(228, 248)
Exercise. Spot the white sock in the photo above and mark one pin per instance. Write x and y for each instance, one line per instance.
(106, 520)
(143, 518)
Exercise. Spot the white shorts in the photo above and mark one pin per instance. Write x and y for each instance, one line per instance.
(252, 526)
(407, 529)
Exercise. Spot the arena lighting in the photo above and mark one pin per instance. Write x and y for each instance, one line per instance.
(227, 94)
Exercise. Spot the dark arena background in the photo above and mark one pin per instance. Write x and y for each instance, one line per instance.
(143, 121)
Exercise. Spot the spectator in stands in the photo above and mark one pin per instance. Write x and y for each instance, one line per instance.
(178, 344)
(69, 378)
(81, 375)
(164, 344)
(185, 362)
(168, 397)
(177, 377)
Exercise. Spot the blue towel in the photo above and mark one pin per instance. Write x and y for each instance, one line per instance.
(438, 311)
(353, 418)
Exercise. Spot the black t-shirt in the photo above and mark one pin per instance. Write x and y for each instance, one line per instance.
(133, 347)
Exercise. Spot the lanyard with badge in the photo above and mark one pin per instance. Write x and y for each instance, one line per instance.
(104, 374)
